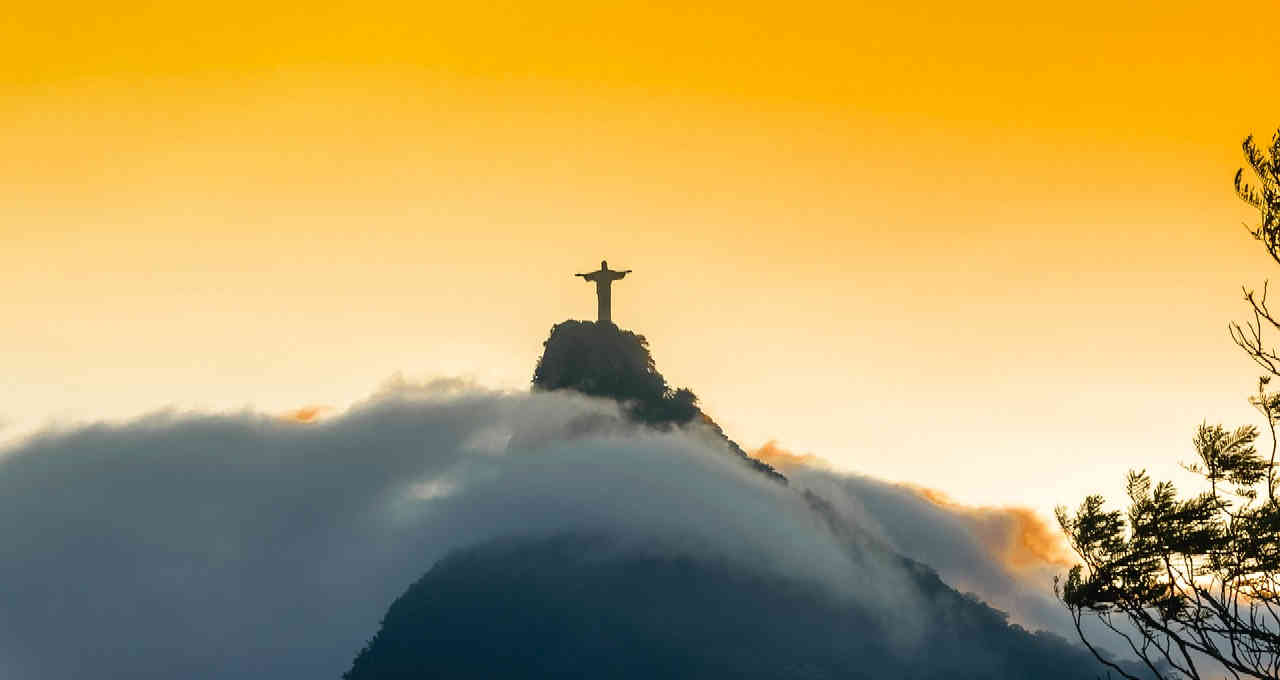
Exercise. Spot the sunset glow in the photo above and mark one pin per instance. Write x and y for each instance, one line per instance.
(957, 244)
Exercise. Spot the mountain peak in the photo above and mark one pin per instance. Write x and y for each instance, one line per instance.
(600, 359)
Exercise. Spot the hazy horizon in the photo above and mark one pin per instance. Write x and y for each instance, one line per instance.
(998, 242)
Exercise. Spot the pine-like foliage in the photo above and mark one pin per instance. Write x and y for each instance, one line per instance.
(1264, 194)
(1193, 585)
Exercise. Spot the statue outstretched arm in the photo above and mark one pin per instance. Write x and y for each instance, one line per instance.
(582, 275)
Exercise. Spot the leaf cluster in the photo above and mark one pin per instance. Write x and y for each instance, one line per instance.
(1187, 583)
(1192, 577)
(1264, 194)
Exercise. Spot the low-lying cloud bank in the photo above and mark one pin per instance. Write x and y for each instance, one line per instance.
(233, 546)
(1005, 555)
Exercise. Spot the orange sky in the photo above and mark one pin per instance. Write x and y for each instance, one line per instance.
(985, 247)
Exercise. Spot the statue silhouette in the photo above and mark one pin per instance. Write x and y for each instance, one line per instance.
(603, 278)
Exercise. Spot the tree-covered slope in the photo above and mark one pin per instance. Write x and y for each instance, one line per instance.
(572, 607)
(576, 605)
(602, 360)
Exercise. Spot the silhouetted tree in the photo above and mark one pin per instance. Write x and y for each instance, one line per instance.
(1187, 584)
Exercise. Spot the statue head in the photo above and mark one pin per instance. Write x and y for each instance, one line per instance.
(604, 264)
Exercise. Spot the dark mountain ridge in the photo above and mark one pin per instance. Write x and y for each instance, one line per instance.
(601, 360)
(571, 606)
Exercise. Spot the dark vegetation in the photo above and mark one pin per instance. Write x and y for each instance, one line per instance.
(602, 360)
(569, 607)
(572, 606)
(1192, 585)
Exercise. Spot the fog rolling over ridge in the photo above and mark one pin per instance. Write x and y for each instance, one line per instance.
(242, 545)
(621, 534)
(1006, 555)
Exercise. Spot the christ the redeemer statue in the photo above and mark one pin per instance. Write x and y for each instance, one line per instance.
(604, 277)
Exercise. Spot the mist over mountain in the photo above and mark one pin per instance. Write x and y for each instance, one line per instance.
(548, 533)
(575, 605)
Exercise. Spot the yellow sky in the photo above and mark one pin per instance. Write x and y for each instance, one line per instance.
(987, 247)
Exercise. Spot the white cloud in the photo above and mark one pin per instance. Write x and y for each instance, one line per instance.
(244, 546)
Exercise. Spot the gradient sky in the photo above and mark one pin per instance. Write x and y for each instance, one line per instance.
(987, 247)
